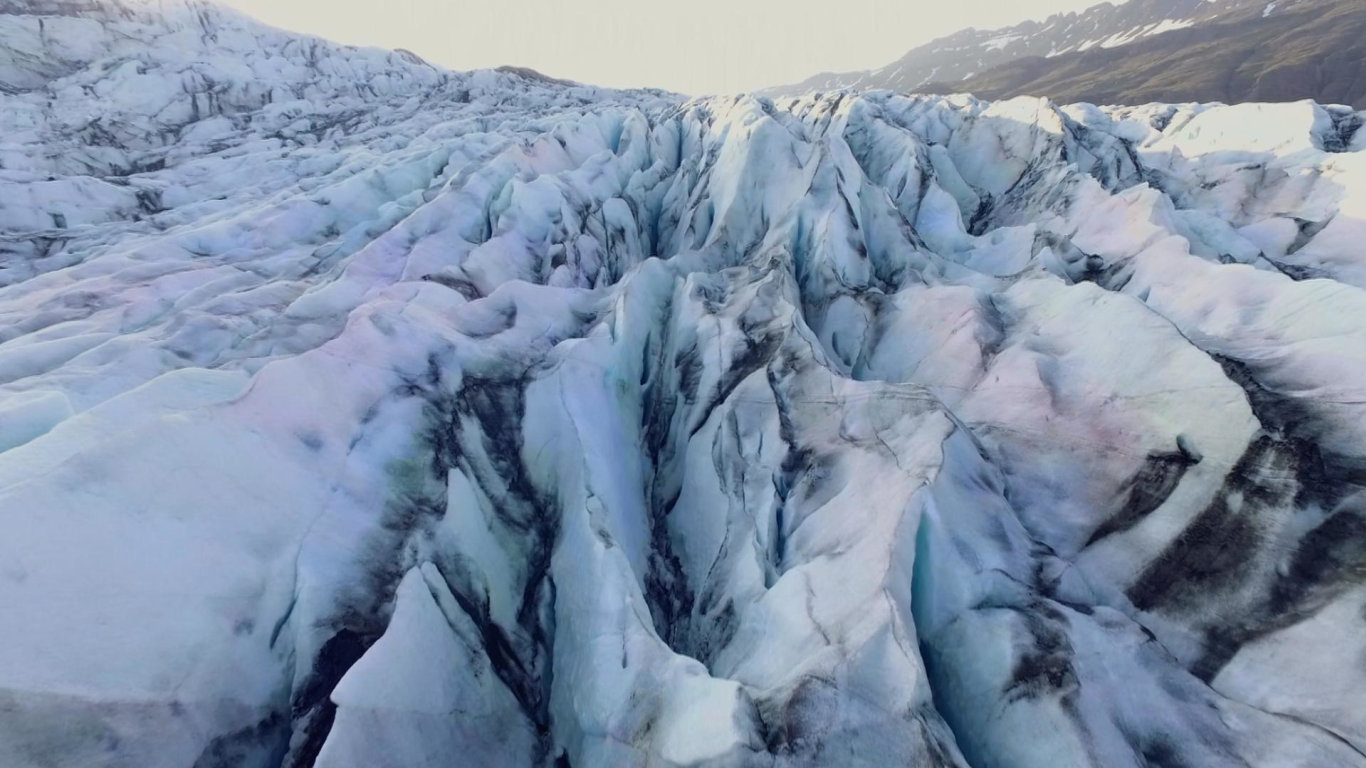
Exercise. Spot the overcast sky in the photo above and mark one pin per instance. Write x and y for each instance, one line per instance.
(692, 46)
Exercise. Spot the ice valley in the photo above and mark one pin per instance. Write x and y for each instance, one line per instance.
(357, 413)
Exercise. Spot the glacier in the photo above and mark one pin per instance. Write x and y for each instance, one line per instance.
(359, 413)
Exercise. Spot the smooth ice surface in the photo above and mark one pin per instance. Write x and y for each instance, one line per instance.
(356, 413)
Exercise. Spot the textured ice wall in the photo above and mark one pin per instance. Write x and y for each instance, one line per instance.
(354, 413)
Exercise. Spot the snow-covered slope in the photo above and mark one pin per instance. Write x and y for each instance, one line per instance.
(956, 58)
(354, 413)
(1310, 50)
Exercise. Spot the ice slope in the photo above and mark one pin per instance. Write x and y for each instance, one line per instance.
(362, 414)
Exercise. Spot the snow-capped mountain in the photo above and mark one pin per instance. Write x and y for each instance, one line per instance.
(958, 57)
(1312, 50)
(358, 413)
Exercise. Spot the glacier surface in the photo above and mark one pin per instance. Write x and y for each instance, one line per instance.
(356, 413)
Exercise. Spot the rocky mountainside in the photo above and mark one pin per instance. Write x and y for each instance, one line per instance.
(356, 414)
(972, 51)
(1313, 51)
(1104, 32)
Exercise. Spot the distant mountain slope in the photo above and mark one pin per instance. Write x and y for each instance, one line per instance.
(972, 51)
(1316, 52)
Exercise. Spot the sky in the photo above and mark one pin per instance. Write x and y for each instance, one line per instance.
(694, 47)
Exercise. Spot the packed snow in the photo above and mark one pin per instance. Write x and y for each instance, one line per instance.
(1001, 41)
(1138, 33)
(359, 413)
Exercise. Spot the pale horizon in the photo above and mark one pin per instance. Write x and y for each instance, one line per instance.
(717, 47)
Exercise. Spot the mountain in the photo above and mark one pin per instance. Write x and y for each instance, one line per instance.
(356, 413)
(1313, 51)
(950, 61)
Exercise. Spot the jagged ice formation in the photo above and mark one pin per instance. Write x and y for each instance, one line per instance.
(357, 413)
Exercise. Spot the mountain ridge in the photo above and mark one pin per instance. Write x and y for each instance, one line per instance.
(1315, 51)
(952, 62)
